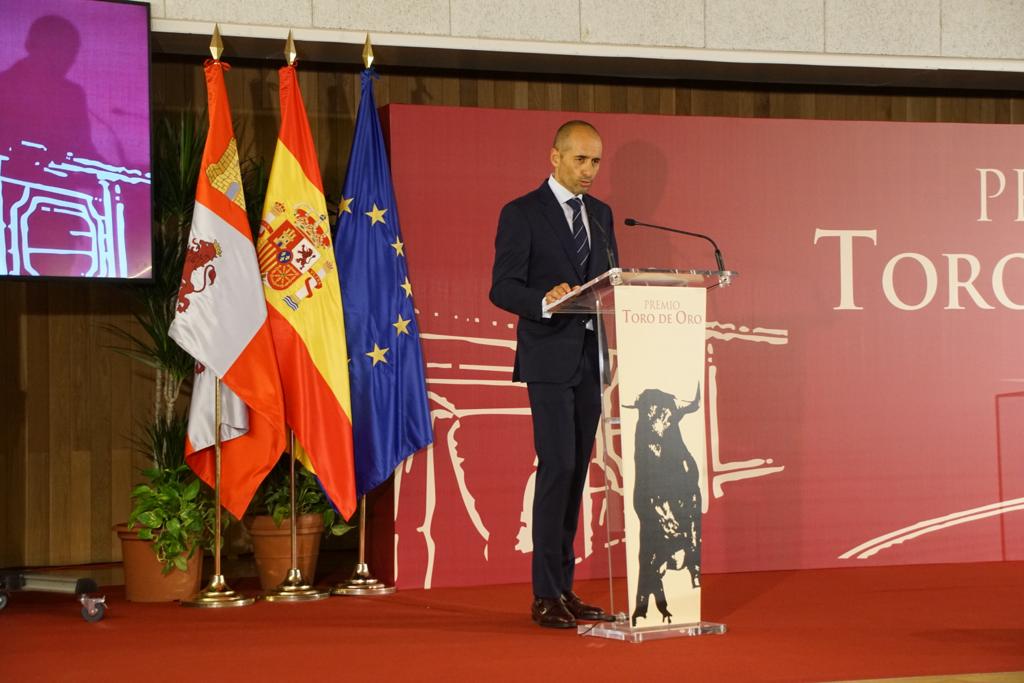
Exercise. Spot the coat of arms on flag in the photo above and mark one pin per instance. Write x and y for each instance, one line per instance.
(297, 251)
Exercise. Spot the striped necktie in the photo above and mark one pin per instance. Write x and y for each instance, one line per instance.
(579, 232)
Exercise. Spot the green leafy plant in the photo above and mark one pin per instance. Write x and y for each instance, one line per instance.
(163, 442)
(274, 496)
(171, 510)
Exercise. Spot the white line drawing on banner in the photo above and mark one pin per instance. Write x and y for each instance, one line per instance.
(445, 413)
(737, 470)
(100, 215)
(928, 526)
(487, 368)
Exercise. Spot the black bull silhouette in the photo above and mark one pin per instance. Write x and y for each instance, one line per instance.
(666, 498)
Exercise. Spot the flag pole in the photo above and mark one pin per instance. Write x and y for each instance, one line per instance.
(294, 587)
(362, 582)
(218, 593)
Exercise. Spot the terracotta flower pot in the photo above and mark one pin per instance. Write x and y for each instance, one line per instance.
(144, 580)
(271, 546)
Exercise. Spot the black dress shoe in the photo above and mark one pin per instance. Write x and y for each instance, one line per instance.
(551, 613)
(582, 610)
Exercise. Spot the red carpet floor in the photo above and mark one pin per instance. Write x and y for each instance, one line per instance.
(783, 626)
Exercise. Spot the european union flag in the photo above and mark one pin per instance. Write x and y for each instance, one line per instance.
(390, 415)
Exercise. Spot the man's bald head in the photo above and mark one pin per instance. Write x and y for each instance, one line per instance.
(576, 156)
(566, 130)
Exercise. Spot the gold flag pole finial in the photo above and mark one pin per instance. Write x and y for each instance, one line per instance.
(367, 53)
(289, 50)
(216, 44)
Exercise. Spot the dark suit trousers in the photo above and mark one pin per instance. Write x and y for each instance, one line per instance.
(565, 417)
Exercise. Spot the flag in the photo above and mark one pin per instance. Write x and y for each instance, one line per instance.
(300, 281)
(221, 320)
(391, 417)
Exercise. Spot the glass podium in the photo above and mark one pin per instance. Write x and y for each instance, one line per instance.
(651, 445)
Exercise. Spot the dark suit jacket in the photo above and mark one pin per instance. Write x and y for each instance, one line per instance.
(533, 252)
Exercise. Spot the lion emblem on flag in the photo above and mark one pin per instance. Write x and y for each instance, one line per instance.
(197, 264)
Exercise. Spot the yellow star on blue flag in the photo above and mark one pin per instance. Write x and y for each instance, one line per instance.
(378, 354)
(401, 326)
(376, 215)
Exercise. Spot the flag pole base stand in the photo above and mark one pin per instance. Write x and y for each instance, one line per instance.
(295, 589)
(362, 583)
(218, 594)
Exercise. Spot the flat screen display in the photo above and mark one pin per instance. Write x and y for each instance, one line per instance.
(75, 139)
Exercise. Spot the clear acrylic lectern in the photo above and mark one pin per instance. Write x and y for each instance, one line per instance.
(651, 445)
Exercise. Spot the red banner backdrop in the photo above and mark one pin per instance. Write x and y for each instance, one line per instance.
(865, 388)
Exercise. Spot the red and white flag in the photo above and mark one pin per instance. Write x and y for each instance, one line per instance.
(221, 319)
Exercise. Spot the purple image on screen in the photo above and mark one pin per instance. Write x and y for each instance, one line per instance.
(74, 139)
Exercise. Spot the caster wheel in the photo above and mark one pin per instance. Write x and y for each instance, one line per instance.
(3, 600)
(94, 614)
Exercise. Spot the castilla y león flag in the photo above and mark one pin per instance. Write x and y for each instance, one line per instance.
(300, 281)
(221, 319)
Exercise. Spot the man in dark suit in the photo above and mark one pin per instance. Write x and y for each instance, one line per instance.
(549, 242)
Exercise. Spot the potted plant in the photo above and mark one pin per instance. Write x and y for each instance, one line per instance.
(269, 523)
(170, 523)
(172, 515)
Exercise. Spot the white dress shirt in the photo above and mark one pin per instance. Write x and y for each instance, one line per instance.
(563, 195)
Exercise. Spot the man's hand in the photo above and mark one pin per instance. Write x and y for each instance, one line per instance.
(558, 291)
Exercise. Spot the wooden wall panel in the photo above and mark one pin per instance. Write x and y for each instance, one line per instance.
(12, 423)
(100, 417)
(66, 394)
(76, 534)
(37, 425)
(73, 406)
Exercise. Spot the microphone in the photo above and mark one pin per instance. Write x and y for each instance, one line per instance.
(718, 254)
(607, 242)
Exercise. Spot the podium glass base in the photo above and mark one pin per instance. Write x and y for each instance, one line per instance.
(345, 589)
(621, 630)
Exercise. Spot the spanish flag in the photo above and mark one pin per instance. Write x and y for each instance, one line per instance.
(300, 281)
(221, 320)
